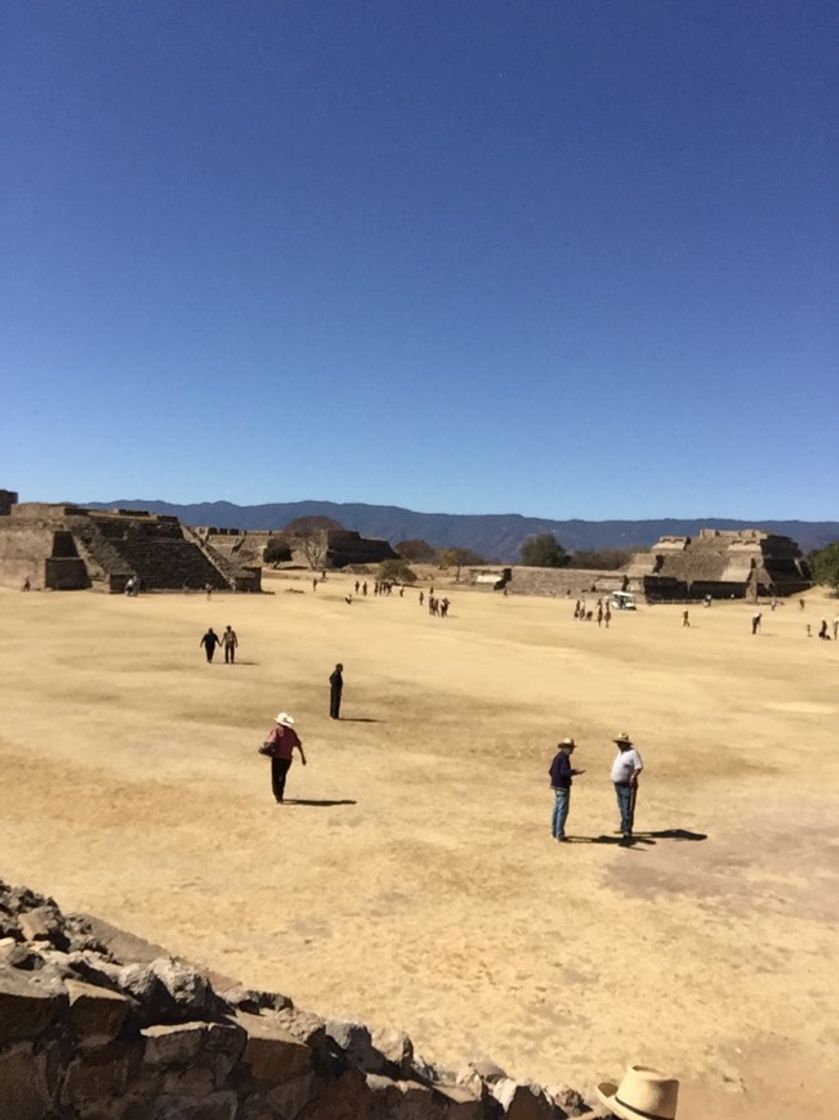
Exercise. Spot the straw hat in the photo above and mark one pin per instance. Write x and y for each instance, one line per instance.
(567, 743)
(643, 1094)
(285, 719)
(623, 738)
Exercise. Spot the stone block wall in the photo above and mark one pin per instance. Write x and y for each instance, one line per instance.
(570, 583)
(8, 498)
(23, 551)
(96, 1025)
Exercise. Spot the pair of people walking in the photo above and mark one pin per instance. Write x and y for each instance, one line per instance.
(625, 771)
(228, 641)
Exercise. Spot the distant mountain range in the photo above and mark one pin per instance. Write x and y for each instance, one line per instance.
(498, 537)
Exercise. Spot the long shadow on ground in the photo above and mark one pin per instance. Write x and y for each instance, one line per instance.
(312, 801)
(649, 839)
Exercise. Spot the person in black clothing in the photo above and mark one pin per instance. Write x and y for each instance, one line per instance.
(561, 774)
(209, 642)
(336, 687)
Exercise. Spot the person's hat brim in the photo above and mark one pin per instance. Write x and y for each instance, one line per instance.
(607, 1091)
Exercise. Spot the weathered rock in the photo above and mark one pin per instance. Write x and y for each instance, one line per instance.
(168, 1045)
(190, 991)
(99, 1074)
(487, 1070)
(459, 1103)
(306, 1027)
(216, 1106)
(404, 1100)
(44, 923)
(348, 1097)
(94, 968)
(271, 1052)
(29, 1001)
(96, 1014)
(222, 1047)
(24, 1093)
(20, 899)
(567, 1100)
(290, 1098)
(356, 1042)
(153, 1003)
(522, 1100)
(396, 1048)
(252, 1001)
(18, 954)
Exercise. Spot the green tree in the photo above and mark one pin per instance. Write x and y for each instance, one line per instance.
(397, 571)
(825, 565)
(276, 551)
(543, 551)
(602, 559)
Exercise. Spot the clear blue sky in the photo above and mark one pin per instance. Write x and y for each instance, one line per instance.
(557, 258)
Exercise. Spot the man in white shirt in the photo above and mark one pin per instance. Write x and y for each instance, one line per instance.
(625, 770)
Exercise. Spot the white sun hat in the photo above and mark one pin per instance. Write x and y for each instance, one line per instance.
(285, 719)
(643, 1094)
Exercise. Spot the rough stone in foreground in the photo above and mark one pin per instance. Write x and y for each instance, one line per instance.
(97, 1025)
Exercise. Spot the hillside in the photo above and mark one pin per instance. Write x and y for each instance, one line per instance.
(495, 536)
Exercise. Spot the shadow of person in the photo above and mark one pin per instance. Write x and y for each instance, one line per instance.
(616, 841)
(321, 803)
(676, 834)
(358, 719)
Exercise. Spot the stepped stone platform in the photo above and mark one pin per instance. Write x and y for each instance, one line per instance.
(96, 1024)
(64, 547)
(724, 564)
(339, 547)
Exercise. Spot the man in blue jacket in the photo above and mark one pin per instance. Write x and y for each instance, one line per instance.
(562, 773)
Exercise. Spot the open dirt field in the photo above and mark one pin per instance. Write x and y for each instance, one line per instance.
(414, 882)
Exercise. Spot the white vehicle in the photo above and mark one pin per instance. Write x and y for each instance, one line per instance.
(623, 601)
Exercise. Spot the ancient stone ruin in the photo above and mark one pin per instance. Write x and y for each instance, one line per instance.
(724, 564)
(738, 564)
(96, 1024)
(336, 548)
(65, 547)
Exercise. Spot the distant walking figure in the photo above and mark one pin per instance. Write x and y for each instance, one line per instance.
(209, 642)
(801, 603)
(336, 687)
(686, 618)
(607, 616)
(421, 598)
(315, 584)
(756, 620)
(229, 641)
(599, 613)
(364, 589)
(357, 586)
(444, 607)
(279, 746)
(836, 629)
(823, 634)
(208, 587)
(561, 774)
(625, 770)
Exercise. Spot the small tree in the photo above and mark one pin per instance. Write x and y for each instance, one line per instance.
(458, 558)
(418, 551)
(543, 551)
(276, 551)
(604, 559)
(397, 571)
(311, 536)
(825, 565)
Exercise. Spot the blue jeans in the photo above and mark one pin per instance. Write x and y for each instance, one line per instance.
(560, 814)
(624, 795)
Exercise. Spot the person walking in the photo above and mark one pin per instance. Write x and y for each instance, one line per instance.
(756, 620)
(229, 641)
(836, 628)
(336, 687)
(279, 746)
(627, 766)
(686, 619)
(209, 642)
(562, 774)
